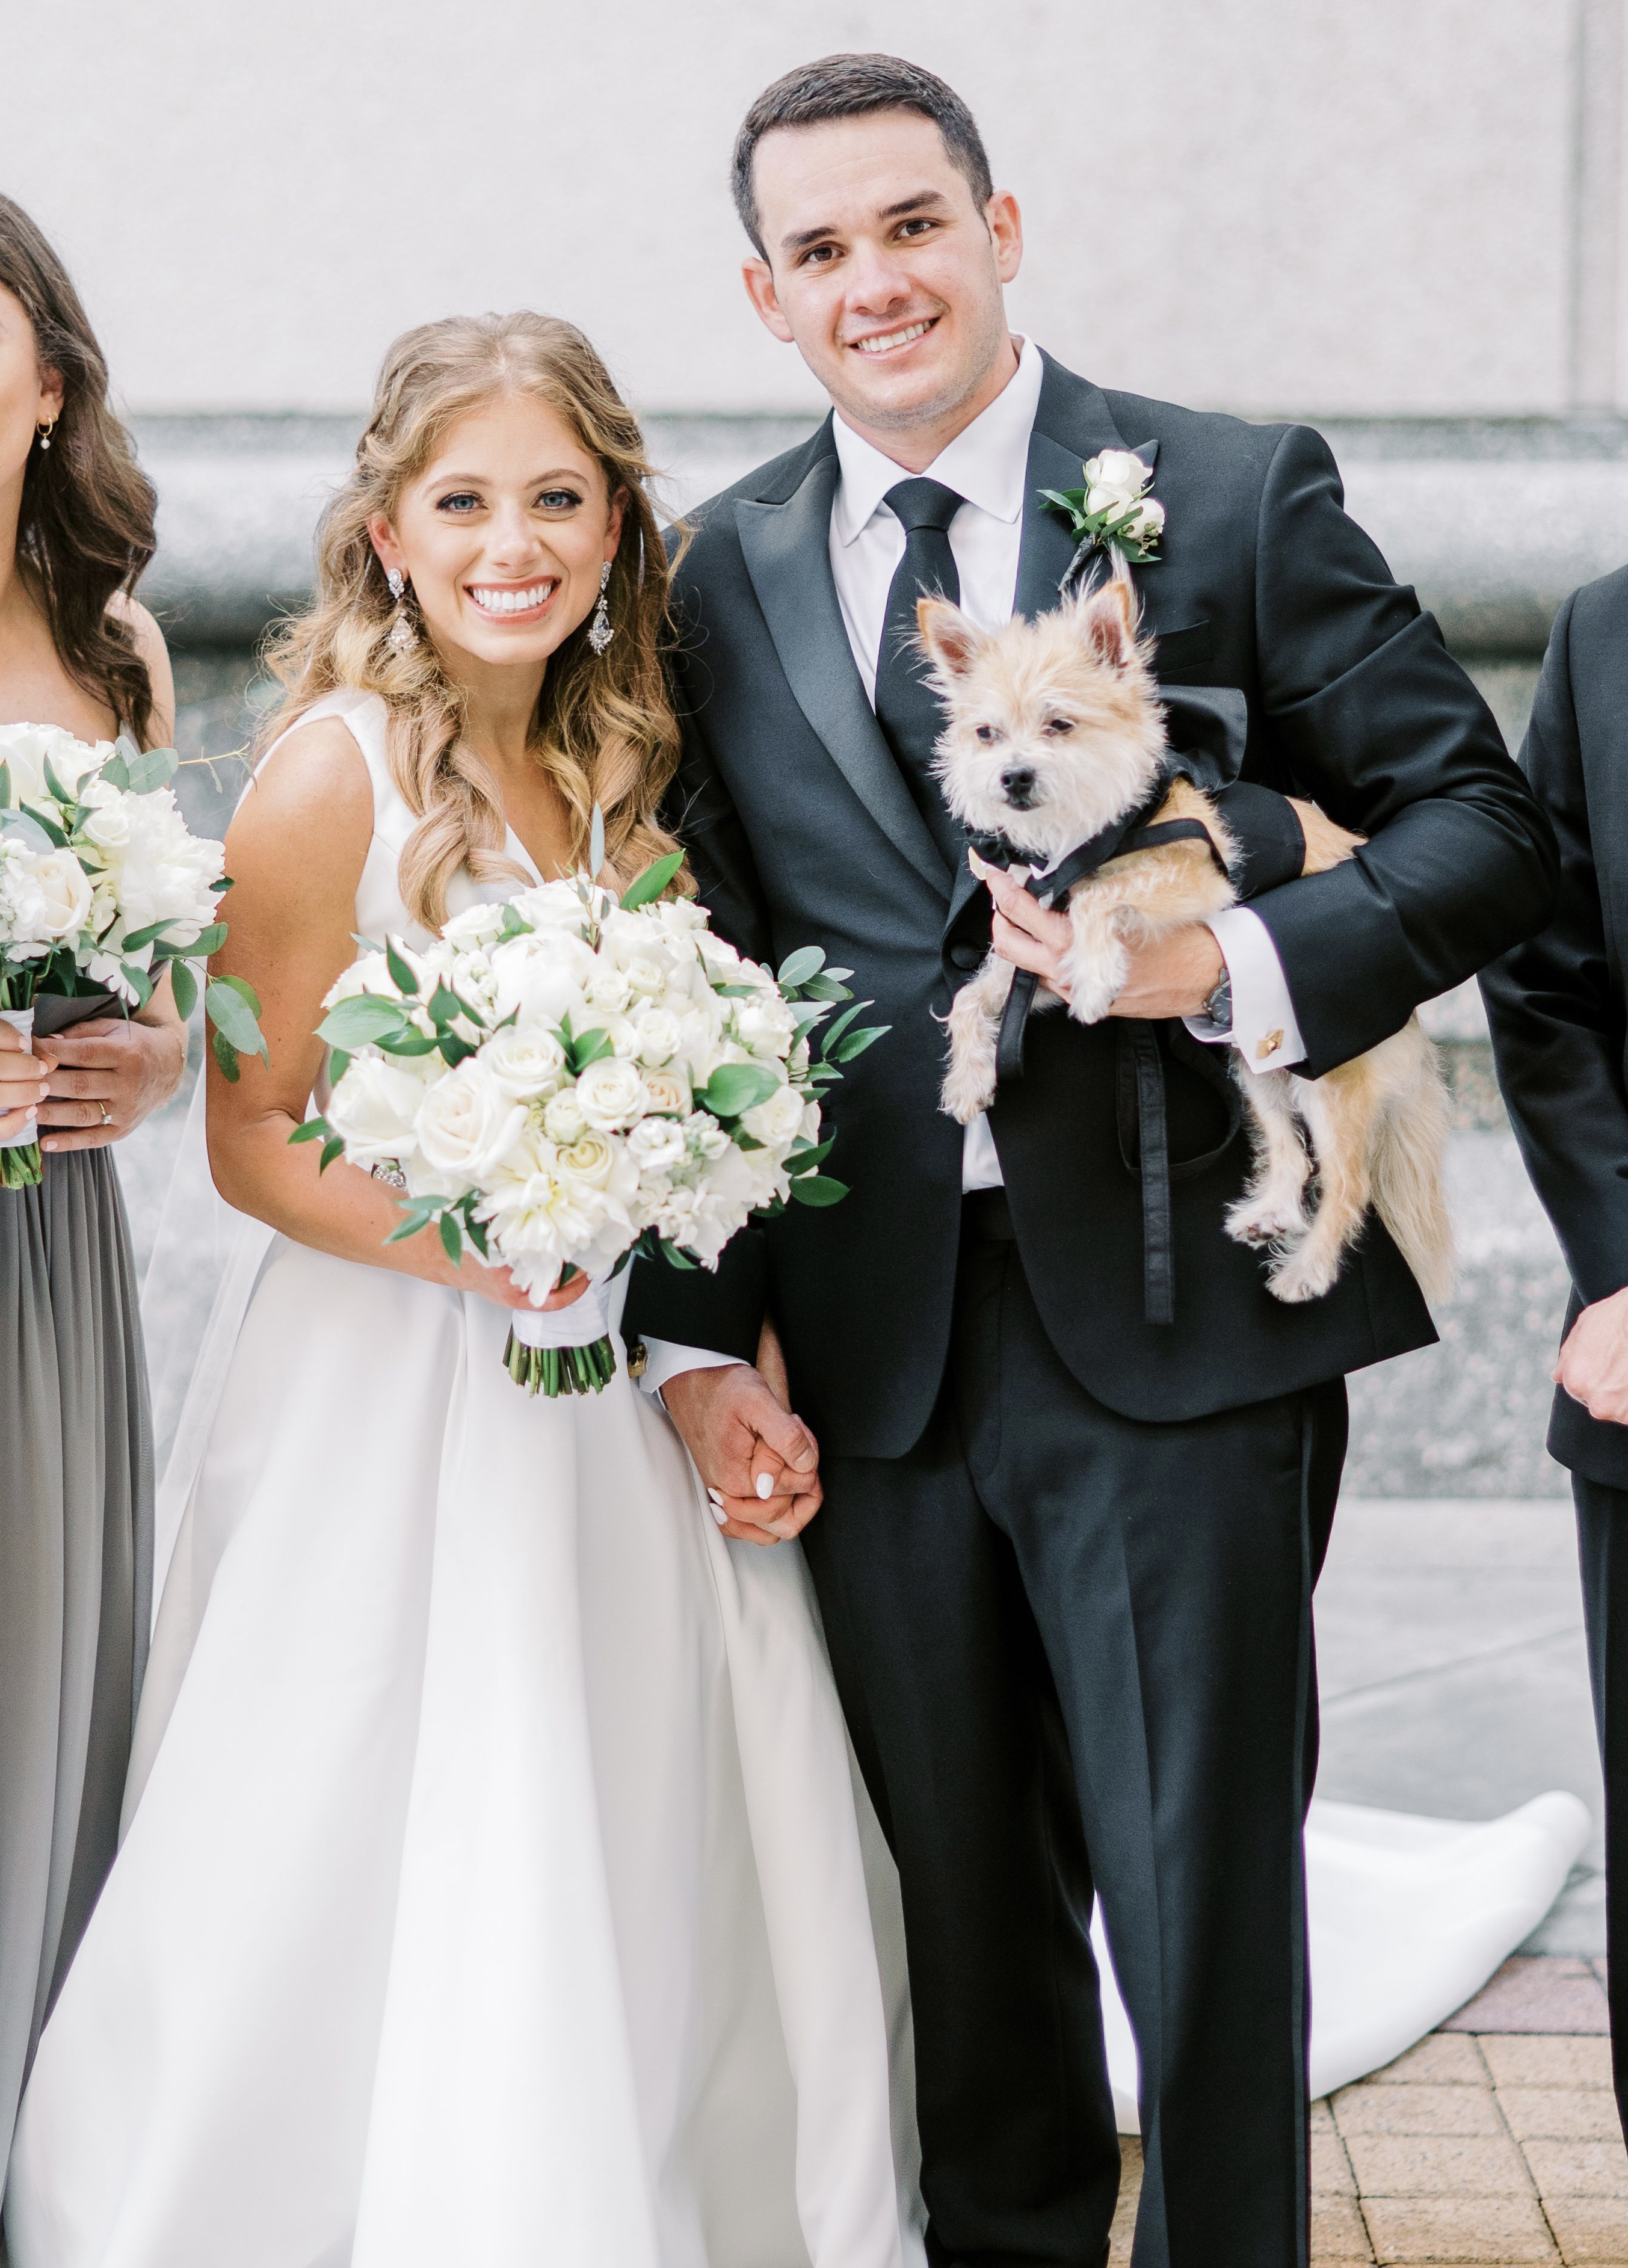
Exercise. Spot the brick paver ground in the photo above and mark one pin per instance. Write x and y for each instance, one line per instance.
(1495, 2140)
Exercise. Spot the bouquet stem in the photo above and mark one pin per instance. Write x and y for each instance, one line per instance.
(554, 1370)
(21, 1167)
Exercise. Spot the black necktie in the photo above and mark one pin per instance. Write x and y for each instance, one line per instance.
(907, 708)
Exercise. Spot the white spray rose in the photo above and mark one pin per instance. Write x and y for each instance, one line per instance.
(668, 1091)
(23, 749)
(608, 990)
(777, 1120)
(765, 1024)
(658, 1035)
(526, 1061)
(476, 926)
(563, 1121)
(466, 1122)
(611, 1094)
(542, 977)
(589, 1160)
(1115, 479)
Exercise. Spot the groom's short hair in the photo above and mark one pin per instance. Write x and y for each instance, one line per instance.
(851, 86)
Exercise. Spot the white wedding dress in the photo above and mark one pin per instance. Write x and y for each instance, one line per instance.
(491, 1889)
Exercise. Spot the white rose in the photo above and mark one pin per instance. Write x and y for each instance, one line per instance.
(667, 1091)
(656, 1146)
(23, 749)
(607, 989)
(108, 826)
(589, 1160)
(59, 896)
(466, 1122)
(647, 979)
(475, 926)
(811, 1122)
(526, 1061)
(373, 1109)
(367, 973)
(610, 1094)
(1115, 479)
(542, 975)
(777, 1120)
(551, 906)
(658, 1036)
(563, 1121)
(1147, 522)
(765, 1024)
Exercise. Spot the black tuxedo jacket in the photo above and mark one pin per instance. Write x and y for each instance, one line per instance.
(801, 830)
(1555, 1005)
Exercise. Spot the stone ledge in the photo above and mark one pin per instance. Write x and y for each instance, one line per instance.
(1493, 521)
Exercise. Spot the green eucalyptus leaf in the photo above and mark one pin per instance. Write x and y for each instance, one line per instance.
(840, 1024)
(153, 931)
(48, 826)
(807, 1156)
(139, 981)
(363, 1020)
(148, 767)
(230, 1011)
(645, 888)
(826, 988)
(855, 1042)
(331, 1149)
(115, 771)
(408, 1041)
(451, 1238)
(225, 1056)
(338, 1064)
(798, 967)
(310, 1130)
(735, 1087)
(209, 940)
(184, 985)
(675, 1257)
(818, 1190)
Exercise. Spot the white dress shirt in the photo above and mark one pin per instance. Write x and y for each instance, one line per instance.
(987, 463)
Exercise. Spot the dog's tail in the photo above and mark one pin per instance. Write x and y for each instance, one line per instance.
(1410, 1145)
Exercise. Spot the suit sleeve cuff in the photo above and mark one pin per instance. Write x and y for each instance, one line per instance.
(666, 1358)
(1264, 1029)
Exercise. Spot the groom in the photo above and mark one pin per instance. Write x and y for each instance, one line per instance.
(1067, 1552)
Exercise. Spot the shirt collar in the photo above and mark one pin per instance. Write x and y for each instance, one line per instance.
(987, 461)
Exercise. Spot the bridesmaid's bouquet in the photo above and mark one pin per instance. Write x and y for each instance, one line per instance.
(102, 887)
(568, 1078)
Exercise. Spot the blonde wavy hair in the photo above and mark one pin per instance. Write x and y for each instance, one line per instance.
(605, 732)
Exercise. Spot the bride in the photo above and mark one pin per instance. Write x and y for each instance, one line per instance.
(490, 1889)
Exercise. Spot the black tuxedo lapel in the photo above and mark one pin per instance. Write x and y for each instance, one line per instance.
(786, 548)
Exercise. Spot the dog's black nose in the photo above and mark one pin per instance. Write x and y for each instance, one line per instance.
(1018, 786)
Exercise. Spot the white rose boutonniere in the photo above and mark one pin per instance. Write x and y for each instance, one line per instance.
(1114, 511)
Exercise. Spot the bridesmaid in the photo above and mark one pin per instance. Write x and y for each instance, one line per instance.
(76, 1460)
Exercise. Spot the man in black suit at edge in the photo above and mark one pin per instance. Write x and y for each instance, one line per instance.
(1067, 1553)
(1560, 1035)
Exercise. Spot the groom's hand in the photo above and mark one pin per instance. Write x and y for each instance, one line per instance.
(1169, 975)
(1593, 1361)
(760, 1463)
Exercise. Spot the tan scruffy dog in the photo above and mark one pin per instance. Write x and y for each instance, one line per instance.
(1055, 732)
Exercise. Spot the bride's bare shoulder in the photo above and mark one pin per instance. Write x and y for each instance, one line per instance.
(310, 800)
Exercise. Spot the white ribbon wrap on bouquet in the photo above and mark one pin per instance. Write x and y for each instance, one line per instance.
(21, 1020)
(579, 1325)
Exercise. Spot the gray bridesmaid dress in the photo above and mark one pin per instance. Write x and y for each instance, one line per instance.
(75, 1574)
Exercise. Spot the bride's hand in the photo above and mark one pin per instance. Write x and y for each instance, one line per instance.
(496, 1284)
(24, 1081)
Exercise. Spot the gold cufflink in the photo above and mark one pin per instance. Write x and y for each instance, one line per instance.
(1269, 1046)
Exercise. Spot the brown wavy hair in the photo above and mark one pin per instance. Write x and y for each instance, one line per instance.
(604, 733)
(86, 530)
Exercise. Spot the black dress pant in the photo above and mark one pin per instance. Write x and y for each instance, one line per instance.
(1602, 1559)
(1075, 1652)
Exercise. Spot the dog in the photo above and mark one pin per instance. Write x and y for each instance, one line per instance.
(1054, 733)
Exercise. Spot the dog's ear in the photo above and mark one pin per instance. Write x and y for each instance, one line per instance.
(950, 639)
(1107, 620)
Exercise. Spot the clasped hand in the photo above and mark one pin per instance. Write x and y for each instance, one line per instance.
(1593, 1366)
(1173, 976)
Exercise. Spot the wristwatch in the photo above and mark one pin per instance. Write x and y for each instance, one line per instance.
(1219, 1007)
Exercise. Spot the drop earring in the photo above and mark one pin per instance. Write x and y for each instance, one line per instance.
(43, 434)
(404, 636)
(601, 629)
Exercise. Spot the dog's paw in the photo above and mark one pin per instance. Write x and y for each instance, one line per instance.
(969, 1084)
(1089, 1002)
(1268, 1219)
(1302, 1275)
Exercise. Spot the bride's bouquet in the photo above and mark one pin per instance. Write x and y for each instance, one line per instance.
(102, 887)
(567, 1079)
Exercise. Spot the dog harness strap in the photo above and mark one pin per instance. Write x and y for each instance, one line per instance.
(1174, 830)
(1158, 1241)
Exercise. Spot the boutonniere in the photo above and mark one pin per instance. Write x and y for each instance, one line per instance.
(1114, 511)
